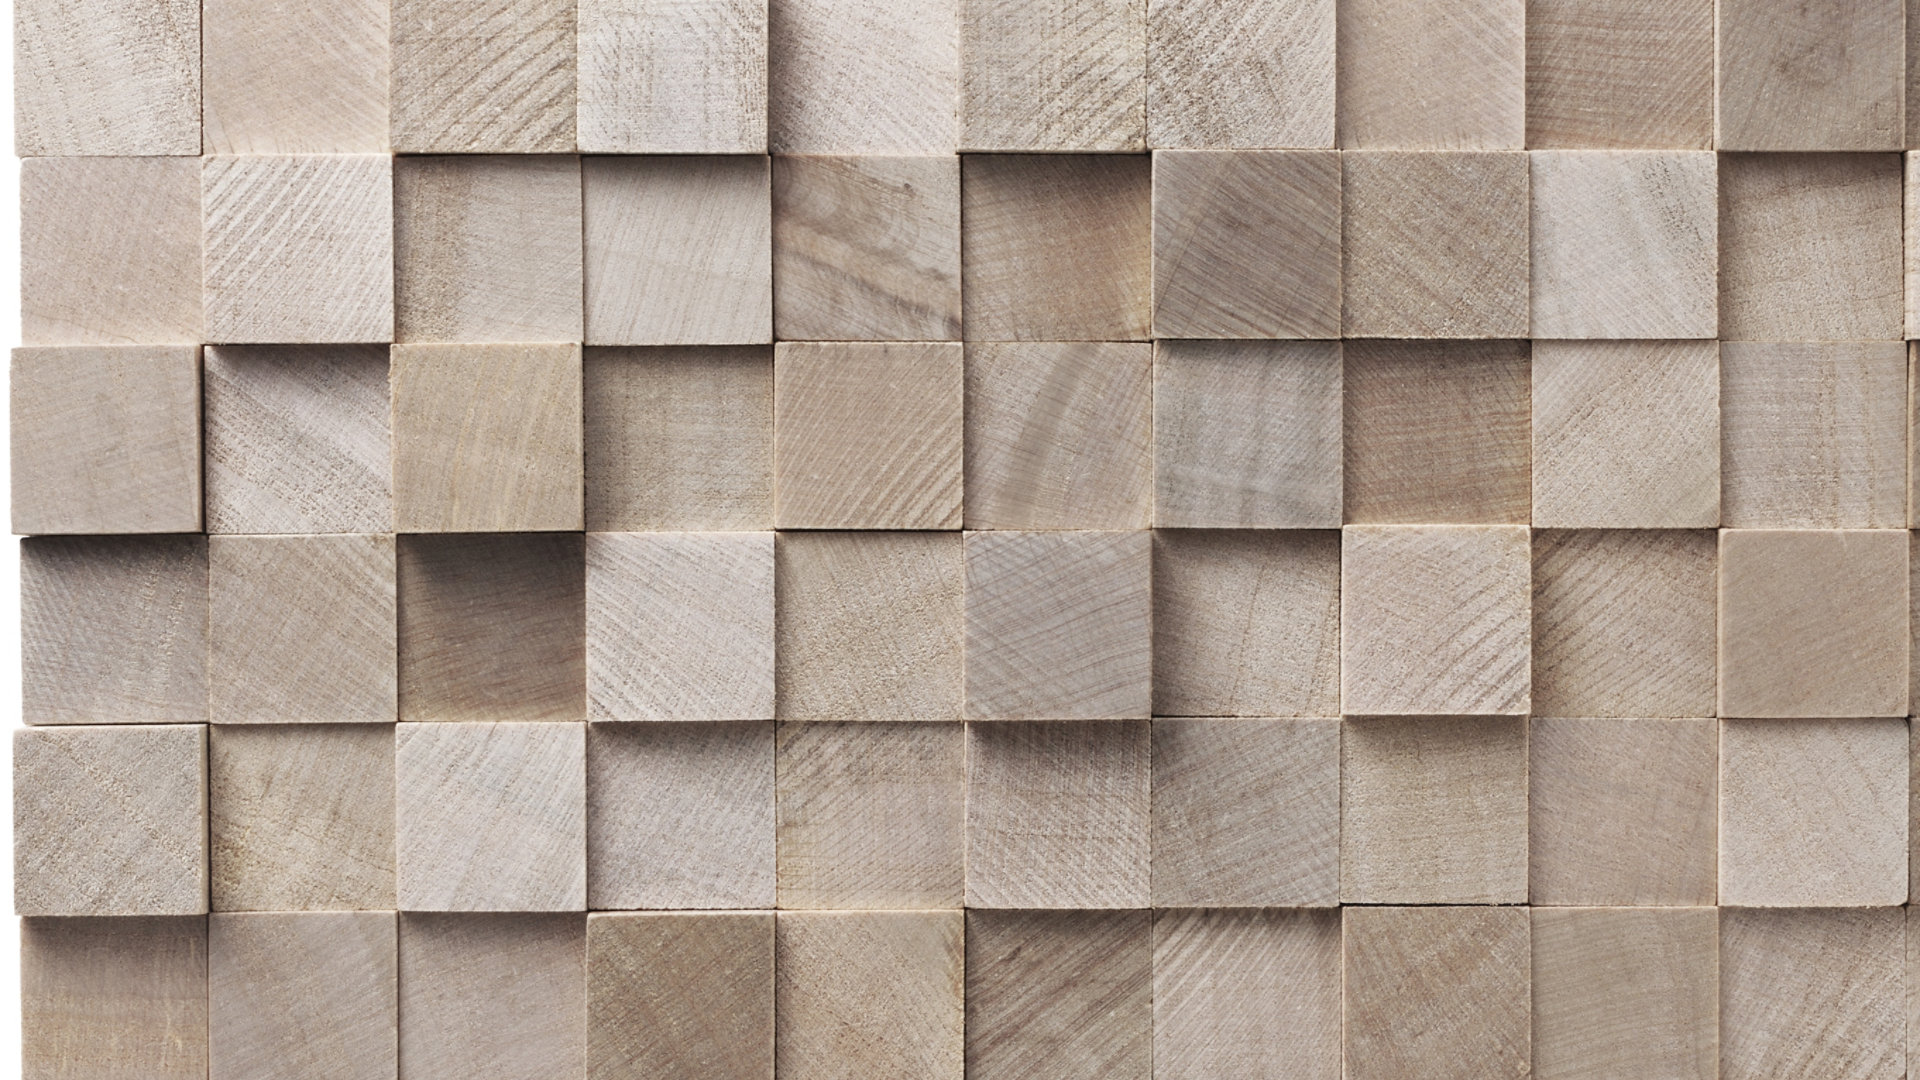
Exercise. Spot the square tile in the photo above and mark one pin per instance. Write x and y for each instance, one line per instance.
(114, 999)
(863, 77)
(1623, 992)
(492, 997)
(73, 97)
(1823, 75)
(1620, 74)
(135, 283)
(294, 78)
(1812, 992)
(1399, 1025)
(1220, 78)
(1246, 993)
(525, 105)
(672, 79)
(1061, 994)
(1432, 74)
(680, 994)
(1053, 75)
(869, 993)
(303, 994)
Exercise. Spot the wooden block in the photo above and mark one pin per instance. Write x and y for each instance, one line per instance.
(1911, 187)
(1056, 248)
(868, 993)
(1246, 623)
(487, 438)
(299, 249)
(1432, 74)
(1625, 992)
(1434, 620)
(1435, 245)
(688, 77)
(305, 78)
(1059, 994)
(309, 994)
(1626, 434)
(1053, 75)
(1824, 75)
(1222, 77)
(680, 994)
(868, 626)
(1813, 623)
(490, 817)
(1058, 625)
(492, 627)
(1057, 815)
(1246, 813)
(866, 248)
(487, 249)
(483, 76)
(110, 821)
(113, 630)
(1246, 993)
(84, 283)
(106, 77)
(113, 999)
(106, 439)
(493, 997)
(863, 77)
(1812, 993)
(1436, 431)
(1595, 783)
(1620, 74)
(1810, 247)
(1814, 436)
(680, 816)
(1623, 623)
(300, 818)
(1436, 992)
(1913, 825)
(867, 436)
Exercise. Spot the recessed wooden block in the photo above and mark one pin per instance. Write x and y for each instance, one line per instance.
(1399, 1020)
(1624, 992)
(87, 281)
(866, 248)
(307, 994)
(1825, 75)
(1432, 74)
(1813, 623)
(1061, 994)
(113, 999)
(680, 994)
(861, 994)
(106, 77)
(868, 626)
(1058, 625)
(1806, 992)
(680, 816)
(106, 439)
(294, 78)
(1221, 78)
(863, 77)
(493, 997)
(1053, 75)
(1434, 620)
(687, 78)
(483, 76)
(1056, 248)
(110, 821)
(1620, 74)
(1246, 993)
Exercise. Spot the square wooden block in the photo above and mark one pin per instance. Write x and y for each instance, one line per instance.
(863, 77)
(1056, 247)
(680, 816)
(1053, 75)
(483, 76)
(1812, 992)
(1059, 625)
(83, 283)
(303, 994)
(106, 77)
(679, 250)
(1813, 623)
(869, 993)
(1246, 993)
(106, 439)
(672, 79)
(1400, 1024)
(1620, 74)
(110, 821)
(1066, 995)
(1820, 75)
(1221, 78)
(493, 997)
(1432, 74)
(680, 994)
(866, 248)
(1057, 815)
(1434, 620)
(1246, 244)
(113, 999)
(1625, 992)
(295, 78)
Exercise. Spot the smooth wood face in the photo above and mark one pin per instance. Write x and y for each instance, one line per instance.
(492, 997)
(1812, 991)
(860, 994)
(1620, 74)
(294, 78)
(1432, 74)
(680, 994)
(483, 76)
(1625, 992)
(863, 77)
(308, 994)
(106, 77)
(1397, 1025)
(1053, 75)
(685, 77)
(113, 999)
(1061, 994)
(1221, 77)
(1246, 993)
(1824, 75)
(1911, 188)
(137, 283)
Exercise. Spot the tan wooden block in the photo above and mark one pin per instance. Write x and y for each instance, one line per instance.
(1913, 825)
(299, 248)
(300, 818)
(1437, 992)
(1221, 77)
(1625, 992)
(1060, 994)
(1246, 993)
(106, 439)
(1056, 248)
(1623, 623)
(680, 994)
(305, 78)
(110, 821)
(113, 999)
(683, 78)
(863, 77)
(869, 993)
(1626, 434)
(490, 817)
(1911, 220)
(867, 435)
(868, 626)
(1623, 811)
(1434, 620)
(1813, 623)
(1620, 74)
(113, 630)
(1059, 435)
(1825, 75)
(106, 77)
(1053, 75)
(1246, 813)
(312, 994)
(483, 76)
(1812, 993)
(1057, 815)
(493, 997)
(1913, 69)
(1059, 625)
(492, 627)
(85, 283)
(1810, 247)
(866, 248)
(680, 816)
(1432, 74)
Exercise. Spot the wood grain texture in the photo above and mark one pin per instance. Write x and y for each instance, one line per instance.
(128, 279)
(106, 77)
(680, 994)
(113, 999)
(106, 439)
(1911, 219)
(110, 821)
(1246, 994)
(1620, 74)
(1432, 74)
(308, 994)
(1810, 991)
(1222, 77)
(483, 76)
(1437, 992)
(680, 816)
(863, 77)
(684, 77)
(1821, 75)
(492, 997)
(869, 993)
(1065, 995)
(1913, 830)
(1625, 992)
(1053, 75)
(298, 78)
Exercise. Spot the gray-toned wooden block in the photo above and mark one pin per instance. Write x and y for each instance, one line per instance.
(1626, 992)
(1246, 993)
(680, 994)
(689, 77)
(106, 77)
(1053, 75)
(863, 77)
(1432, 74)
(1911, 188)
(302, 78)
(1913, 815)
(493, 997)
(1221, 77)
(1399, 1020)
(113, 999)
(85, 283)
(312, 994)
(1807, 992)
(1620, 74)
(860, 994)
(483, 76)
(1827, 75)
(1060, 994)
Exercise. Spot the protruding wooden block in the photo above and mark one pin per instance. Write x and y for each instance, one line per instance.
(1400, 1023)
(680, 816)
(1058, 625)
(106, 77)
(1826, 75)
(680, 994)
(1625, 992)
(681, 78)
(1911, 187)
(106, 439)
(863, 77)
(1620, 74)
(110, 821)
(1434, 620)
(1056, 248)
(1060, 994)
(869, 993)
(1432, 74)
(1053, 75)
(493, 997)
(1813, 623)
(1806, 992)
(1223, 78)
(483, 76)
(113, 999)
(84, 283)
(306, 994)
(303, 78)
(1246, 993)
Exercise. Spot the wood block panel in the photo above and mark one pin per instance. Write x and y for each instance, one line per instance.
(85, 283)
(1824, 75)
(1620, 74)
(1246, 993)
(312, 994)
(863, 77)
(1053, 75)
(1804, 991)
(860, 994)
(688, 77)
(483, 76)
(1222, 77)
(1625, 992)
(493, 997)
(1399, 1023)
(1060, 994)
(106, 77)
(113, 999)
(680, 994)
(1432, 74)
(294, 78)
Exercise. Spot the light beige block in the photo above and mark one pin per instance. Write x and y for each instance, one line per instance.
(106, 77)
(1827, 75)
(687, 77)
(1221, 77)
(861, 994)
(113, 999)
(1053, 75)
(1061, 994)
(1911, 218)
(1913, 818)
(492, 997)
(1246, 993)
(1804, 992)
(1399, 1023)
(307, 994)
(1432, 74)
(1620, 74)
(1625, 992)
(294, 78)
(863, 77)
(680, 994)
(483, 76)
(134, 280)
